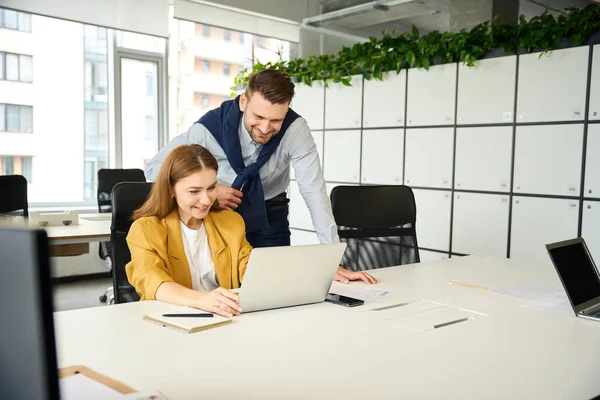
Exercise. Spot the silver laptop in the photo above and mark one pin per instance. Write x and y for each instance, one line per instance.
(289, 275)
(579, 276)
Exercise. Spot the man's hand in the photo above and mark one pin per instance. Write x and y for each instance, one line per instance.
(229, 198)
(345, 276)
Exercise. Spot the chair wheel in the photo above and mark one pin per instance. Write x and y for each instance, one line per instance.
(103, 298)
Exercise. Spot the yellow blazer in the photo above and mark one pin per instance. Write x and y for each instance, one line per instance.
(157, 253)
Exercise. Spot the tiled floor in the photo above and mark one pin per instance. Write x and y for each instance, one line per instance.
(82, 294)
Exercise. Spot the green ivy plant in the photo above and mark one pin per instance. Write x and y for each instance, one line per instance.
(395, 51)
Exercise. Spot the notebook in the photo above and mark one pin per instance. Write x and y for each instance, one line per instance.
(184, 324)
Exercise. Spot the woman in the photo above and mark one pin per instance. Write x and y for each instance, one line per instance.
(183, 251)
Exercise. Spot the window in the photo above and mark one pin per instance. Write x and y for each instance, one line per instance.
(26, 163)
(205, 66)
(16, 118)
(205, 99)
(15, 20)
(16, 67)
(227, 35)
(151, 128)
(226, 69)
(205, 31)
(149, 84)
(8, 165)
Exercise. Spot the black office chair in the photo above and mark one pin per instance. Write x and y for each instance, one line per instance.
(378, 223)
(13, 195)
(126, 198)
(107, 179)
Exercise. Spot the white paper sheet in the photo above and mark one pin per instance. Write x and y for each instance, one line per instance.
(360, 291)
(80, 387)
(545, 297)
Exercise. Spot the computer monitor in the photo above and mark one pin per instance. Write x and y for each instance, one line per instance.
(28, 368)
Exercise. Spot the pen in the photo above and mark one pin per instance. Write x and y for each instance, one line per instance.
(469, 286)
(201, 315)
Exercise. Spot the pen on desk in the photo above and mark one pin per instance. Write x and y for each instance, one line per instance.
(198, 315)
(468, 286)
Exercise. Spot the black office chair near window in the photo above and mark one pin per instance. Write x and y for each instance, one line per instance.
(378, 223)
(107, 179)
(126, 198)
(13, 195)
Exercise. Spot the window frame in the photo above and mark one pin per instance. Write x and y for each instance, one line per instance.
(19, 108)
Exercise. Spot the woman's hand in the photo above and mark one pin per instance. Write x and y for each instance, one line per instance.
(345, 276)
(220, 301)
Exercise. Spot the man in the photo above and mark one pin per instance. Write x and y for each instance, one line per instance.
(254, 138)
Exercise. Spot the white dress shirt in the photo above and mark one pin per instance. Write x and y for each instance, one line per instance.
(296, 148)
(199, 257)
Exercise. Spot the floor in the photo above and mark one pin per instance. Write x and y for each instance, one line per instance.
(80, 294)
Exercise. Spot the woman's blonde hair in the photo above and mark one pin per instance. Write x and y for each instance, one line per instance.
(183, 161)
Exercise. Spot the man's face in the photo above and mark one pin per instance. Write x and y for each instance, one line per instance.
(262, 119)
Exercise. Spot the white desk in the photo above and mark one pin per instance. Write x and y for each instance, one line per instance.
(87, 231)
(325, 351)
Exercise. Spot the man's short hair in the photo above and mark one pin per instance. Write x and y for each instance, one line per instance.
(274, 85)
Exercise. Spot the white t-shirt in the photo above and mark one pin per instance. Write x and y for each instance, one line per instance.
(197, 251)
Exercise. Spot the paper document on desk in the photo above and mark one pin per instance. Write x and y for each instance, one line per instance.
(360, 291)
(80, 387)
(545, 297)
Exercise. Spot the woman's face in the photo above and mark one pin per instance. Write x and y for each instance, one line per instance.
(196, 193)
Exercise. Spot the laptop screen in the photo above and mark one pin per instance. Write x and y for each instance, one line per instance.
(577, 272)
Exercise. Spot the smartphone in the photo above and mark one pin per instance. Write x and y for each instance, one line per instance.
(343, 300)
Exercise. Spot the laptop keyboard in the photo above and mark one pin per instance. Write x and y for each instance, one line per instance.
(595, 313)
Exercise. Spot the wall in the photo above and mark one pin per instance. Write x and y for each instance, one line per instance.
(501, 157)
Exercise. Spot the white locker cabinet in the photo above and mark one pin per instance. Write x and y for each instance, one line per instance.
(384, 101)
(433, 218)
(592, 162)
(342, 156)
(486, 91)
(309, 102)
(343, 105)
(548, 159)
(590, 228)
(301, 238)
(483, 158)
(382, 156)
(429, 157)
(541, 96)
(299, 214)
(431, 95)
(480, 224)
(538, 221)
(595, 86)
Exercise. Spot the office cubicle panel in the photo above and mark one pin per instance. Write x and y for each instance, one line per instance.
(433, 218)
(479, 224)
(538, 221)
(548, 159)
(552, 87)
(483, 158)
(592, 162)
(431, 96)
(382, 156)
(309, 101)
(429, 153)
(344, 105)
(342, 156)
(594, 111)
(591, 228)
(482, 100)
(384, 101)
(318, 138)
(487, 150)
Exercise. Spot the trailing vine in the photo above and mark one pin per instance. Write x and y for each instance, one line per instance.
(395, 51)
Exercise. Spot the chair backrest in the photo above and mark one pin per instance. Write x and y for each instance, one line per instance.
(108, 178)
(126, 198)
(13, 194)
(378, 223)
